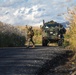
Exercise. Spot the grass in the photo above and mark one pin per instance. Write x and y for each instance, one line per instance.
(72, 30)
(37, 33)
(71, 34)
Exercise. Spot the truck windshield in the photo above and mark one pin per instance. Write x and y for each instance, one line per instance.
(51, 25)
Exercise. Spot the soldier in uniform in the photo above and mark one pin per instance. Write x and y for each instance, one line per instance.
(30, 34)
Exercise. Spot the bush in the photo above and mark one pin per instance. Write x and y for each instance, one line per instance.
(72, 29)
(10, 36)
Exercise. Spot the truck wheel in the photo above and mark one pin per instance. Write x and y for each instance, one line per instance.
(60, 42)
(44, 42)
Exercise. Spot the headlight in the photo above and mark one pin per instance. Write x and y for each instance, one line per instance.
(54, 34)
(59, 36)
(51, 32)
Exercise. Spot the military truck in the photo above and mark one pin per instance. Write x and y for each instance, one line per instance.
(52, 32)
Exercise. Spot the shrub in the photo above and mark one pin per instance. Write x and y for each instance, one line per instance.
(72, 28)
(11, 36)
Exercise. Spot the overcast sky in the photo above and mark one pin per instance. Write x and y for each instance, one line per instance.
(32, 12)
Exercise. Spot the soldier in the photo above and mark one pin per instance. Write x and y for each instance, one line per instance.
(30, 34)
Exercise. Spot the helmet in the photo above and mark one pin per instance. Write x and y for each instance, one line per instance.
(30, 27)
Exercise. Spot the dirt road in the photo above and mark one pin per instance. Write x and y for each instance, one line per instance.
(32, 61)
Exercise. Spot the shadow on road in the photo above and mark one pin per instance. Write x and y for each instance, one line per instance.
(55, 62)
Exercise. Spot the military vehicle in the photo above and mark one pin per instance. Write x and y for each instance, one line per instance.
(52, 32)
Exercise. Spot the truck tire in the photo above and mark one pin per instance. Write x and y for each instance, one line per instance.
(44, 42)
(60, 42)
